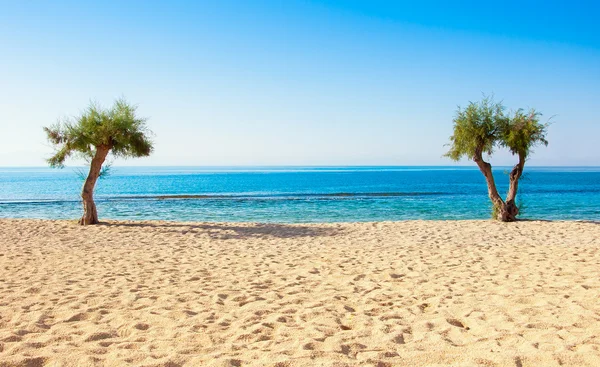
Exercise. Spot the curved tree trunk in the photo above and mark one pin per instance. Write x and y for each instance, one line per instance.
(505, 211)
(510, 210)
(90, 214)
(486, 169)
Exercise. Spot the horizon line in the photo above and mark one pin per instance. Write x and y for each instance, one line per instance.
(304, 165)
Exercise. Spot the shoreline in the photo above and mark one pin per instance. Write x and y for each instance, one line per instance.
(109, 222)
(404, 293)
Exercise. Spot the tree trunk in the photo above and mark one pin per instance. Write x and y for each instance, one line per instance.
(486, 169)
(514, 177)
(509, 211)
(90, 214)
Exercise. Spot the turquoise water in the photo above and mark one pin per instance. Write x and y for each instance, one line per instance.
(297, 194)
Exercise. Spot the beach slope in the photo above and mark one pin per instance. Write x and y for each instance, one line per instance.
(415, 293)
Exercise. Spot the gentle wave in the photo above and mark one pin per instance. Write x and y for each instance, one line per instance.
(291, 196)
(281, 196)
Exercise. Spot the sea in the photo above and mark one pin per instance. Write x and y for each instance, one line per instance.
(297, 194)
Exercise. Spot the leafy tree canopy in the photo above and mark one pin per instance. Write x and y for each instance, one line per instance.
(116, 129)
(486, 125)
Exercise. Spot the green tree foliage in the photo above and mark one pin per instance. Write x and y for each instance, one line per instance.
(117, 128)
(93, 135)
(485, 126)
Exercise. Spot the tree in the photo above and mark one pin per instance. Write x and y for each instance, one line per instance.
(93, 135)
(484, 126)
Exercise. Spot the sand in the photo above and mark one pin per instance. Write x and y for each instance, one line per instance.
(416, 293)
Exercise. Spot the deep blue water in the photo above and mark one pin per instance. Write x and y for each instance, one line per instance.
(298, 194)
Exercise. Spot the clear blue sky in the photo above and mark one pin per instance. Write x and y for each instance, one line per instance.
(300, 82)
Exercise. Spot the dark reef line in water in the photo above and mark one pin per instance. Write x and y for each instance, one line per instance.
(288, 196)
(279, 196)
(294, 195)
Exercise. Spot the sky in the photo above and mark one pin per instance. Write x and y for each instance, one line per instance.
(232, 83)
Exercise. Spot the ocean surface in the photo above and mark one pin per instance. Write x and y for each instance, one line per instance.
(297, 194)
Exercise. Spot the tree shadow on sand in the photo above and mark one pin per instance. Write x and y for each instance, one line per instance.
(225, 231)
(597, 222)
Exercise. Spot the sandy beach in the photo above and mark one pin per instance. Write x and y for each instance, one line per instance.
(416, 293)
